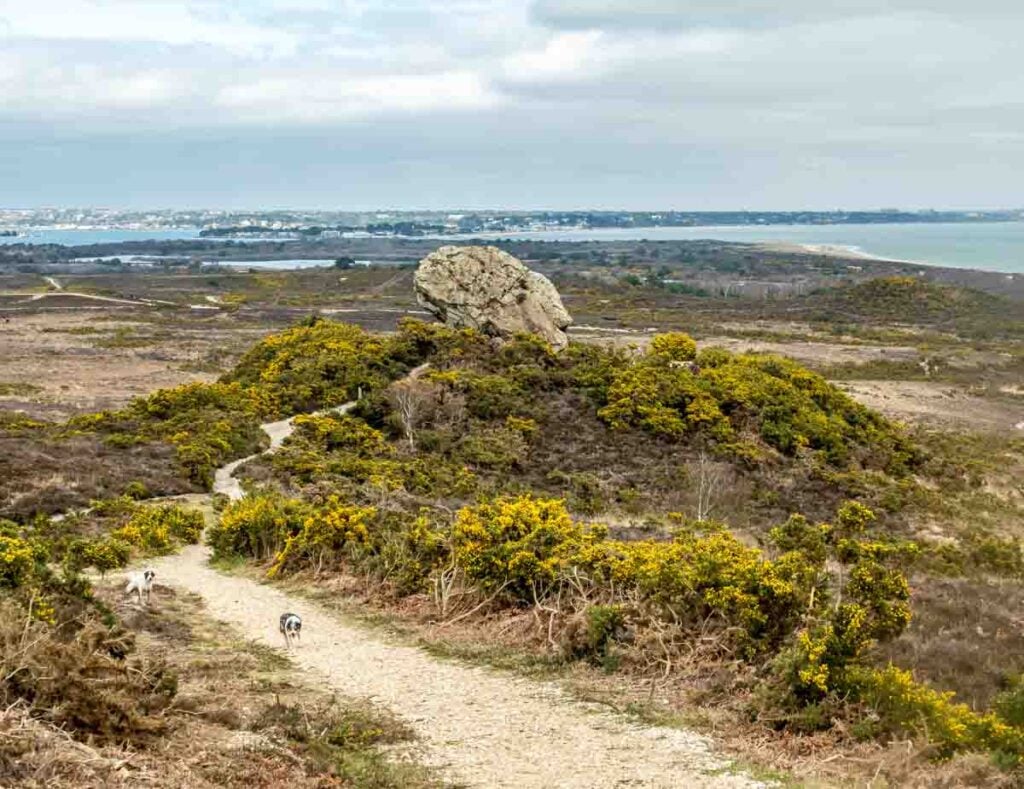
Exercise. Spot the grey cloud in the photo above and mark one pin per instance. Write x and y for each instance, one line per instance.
(660, 14)
(795, 105)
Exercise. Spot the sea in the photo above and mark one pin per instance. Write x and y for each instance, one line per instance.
(991, 246)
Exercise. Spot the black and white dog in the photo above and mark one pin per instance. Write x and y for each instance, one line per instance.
(291, 628)
(141, 582)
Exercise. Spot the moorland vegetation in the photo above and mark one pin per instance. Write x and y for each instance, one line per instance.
(729, 518)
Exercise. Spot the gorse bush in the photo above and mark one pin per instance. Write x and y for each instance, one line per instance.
(319, 364)
(523, 545)
(292, 534)
(333, 531)
(113, 531)
(872, 598)
(900, 705)
(207, 424)
(730, 398)
(19, 560)
(673, 347)
(157, 530)
(258, 526)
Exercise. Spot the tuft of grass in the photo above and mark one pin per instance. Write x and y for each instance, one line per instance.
(344, 741)
(18, 389)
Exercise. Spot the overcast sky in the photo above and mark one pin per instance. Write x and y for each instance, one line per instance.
(699, 105)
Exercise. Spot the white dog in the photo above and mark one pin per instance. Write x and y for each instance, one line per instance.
(141, 582)
(291, 628)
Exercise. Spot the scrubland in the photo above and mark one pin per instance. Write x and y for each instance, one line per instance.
(725, 538)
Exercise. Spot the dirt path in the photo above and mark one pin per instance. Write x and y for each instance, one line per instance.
(482, 728)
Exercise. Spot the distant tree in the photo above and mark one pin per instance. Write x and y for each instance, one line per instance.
(344, 262)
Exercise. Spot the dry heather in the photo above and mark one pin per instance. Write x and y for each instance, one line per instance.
(235, 714)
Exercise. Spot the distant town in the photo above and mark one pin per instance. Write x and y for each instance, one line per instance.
(334, 224)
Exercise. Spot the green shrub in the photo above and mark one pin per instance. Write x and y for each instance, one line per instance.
(325, 537)
(1009, 705)
(160, 530)
(902, 706)
(605, 623)
(518, 545)
(498, 448)
(791, 408)
(258, 526)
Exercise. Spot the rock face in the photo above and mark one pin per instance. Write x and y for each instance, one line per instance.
(486, 289)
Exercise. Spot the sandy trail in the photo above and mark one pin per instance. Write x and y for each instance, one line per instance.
(481, 728)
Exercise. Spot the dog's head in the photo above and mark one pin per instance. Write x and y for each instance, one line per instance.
(149, 575)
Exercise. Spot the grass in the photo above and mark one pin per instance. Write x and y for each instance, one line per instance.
(18, 389)
(126, 337)
(304, 736)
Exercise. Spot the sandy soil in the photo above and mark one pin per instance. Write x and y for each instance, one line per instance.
(57, 351)
(937, 404)
(481, 727)
(819, 353)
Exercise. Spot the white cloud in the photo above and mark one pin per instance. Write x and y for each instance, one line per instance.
(326, 97)
(149, 21)
(563, 57)
(638, 85)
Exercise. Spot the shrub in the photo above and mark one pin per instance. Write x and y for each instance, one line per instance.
(901, 705)
(527, 547)
(160, 530)
(317, 365)
(605, 623)
(791, 408)
(18, 560)
(1009, 705)
(499, 448)
(258, 526)
(332, 432)
(711, 581)
(519, 545)
(103, 555)
(136, 490)
(673, 347)
(875, 595)
(207, 424)
(86, 682)
(325, 537)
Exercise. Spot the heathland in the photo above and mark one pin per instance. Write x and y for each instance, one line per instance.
(786, 512)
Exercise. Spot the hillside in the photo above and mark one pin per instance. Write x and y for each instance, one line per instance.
(729, 526)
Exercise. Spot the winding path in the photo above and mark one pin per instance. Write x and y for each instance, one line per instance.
(480, 727)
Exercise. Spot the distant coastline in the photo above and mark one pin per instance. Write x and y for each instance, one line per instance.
(983, 246)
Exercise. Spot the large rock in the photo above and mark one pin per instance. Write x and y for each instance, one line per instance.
(486, 289)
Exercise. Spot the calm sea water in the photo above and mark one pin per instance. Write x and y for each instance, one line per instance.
(80, 237)
(995, 246)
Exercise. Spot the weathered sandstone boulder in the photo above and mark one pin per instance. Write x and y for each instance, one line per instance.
(486, 289)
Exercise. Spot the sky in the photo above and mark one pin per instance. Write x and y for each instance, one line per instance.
(561, 104)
